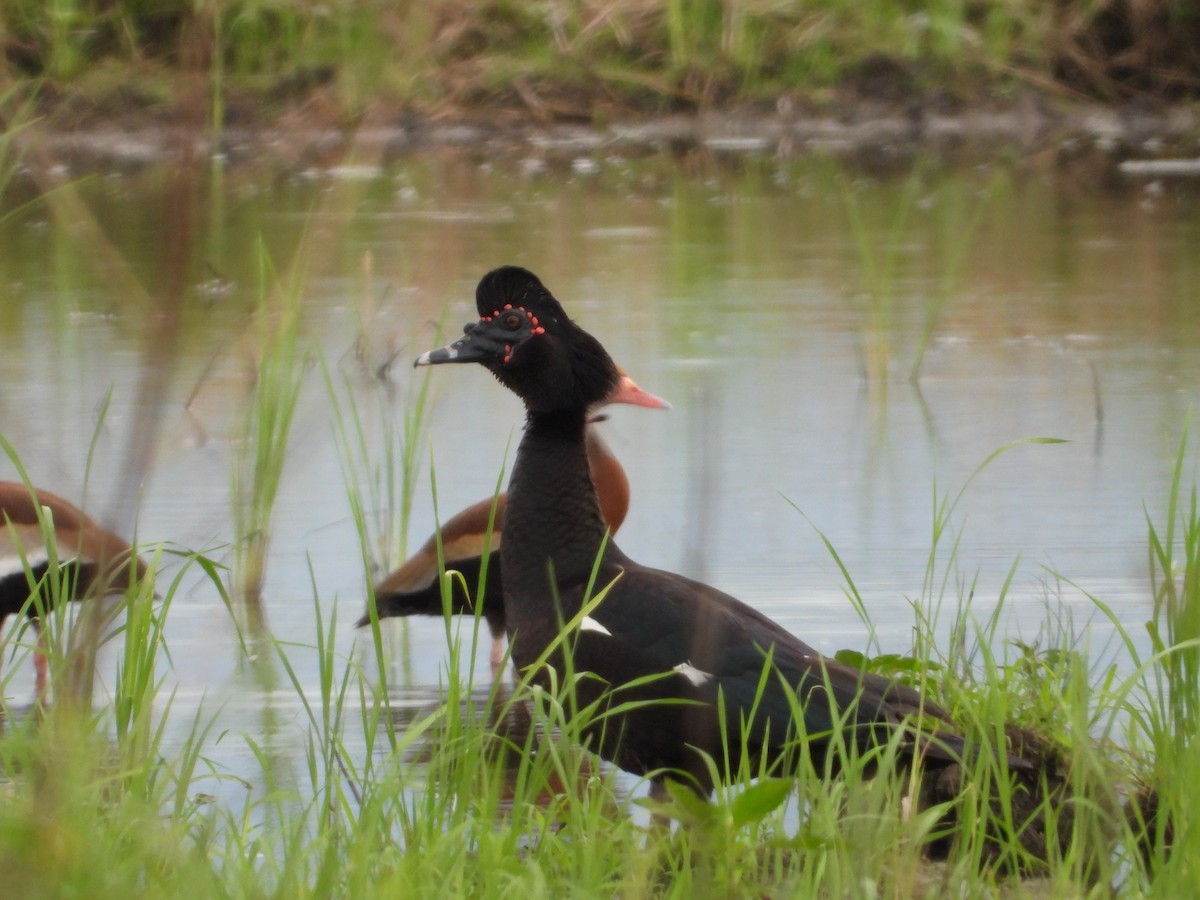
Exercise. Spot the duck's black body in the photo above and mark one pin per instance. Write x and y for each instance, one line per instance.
(473, 536)
(704, 643)
(705, 647)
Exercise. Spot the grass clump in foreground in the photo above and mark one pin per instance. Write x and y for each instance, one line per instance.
(490, 794)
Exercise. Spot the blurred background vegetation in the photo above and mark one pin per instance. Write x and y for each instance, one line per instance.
(588, 59)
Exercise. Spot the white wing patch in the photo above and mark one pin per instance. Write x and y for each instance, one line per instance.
(692, 674)
(590, 624)
(14, 565)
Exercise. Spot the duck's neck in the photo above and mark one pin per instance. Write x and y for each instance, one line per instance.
(552, 518)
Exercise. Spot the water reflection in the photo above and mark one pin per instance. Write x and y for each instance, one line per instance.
(781, 305)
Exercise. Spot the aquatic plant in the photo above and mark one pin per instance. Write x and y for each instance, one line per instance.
(490, 788)
(262, 446)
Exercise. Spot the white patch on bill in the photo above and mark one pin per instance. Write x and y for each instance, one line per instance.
(444, 355)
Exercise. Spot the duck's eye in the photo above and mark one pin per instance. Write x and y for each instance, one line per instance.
(511, 322)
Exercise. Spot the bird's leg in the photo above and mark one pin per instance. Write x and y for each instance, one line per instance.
(497, 658)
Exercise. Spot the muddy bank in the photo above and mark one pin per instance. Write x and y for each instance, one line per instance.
(878, 136)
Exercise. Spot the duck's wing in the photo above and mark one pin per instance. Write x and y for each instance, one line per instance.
(654, 621)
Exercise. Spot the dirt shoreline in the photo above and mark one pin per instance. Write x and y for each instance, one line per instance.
(876, 134)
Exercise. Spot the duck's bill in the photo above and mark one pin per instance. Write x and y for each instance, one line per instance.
(448, 354)
(476, 345)
(628, 391)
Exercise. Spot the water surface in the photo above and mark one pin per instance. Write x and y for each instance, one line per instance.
(842, 350)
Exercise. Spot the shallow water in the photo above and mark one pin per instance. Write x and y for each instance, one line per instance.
(781, 306)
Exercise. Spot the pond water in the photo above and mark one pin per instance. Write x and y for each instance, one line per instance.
(782, 306)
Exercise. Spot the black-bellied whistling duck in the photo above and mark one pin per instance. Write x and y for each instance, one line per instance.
(688, 646)
(413, 589)
(96, 560)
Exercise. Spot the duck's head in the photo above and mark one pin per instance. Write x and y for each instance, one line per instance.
(524, 338)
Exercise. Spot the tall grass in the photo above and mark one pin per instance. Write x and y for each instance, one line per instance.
(266, 427)
(881, 256)
(381, 430)
(1175, 627)
(1164, 718)
(490, 791)
(379, 492)
(87, 785)
(379, 434)
(572, 58)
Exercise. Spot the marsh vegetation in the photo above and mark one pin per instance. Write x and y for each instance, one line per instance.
(860, 344)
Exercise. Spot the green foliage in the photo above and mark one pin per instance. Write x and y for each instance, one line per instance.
(1166, 717)
(266, 427)
(569, 55)
(379, 488)
(493, 790)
